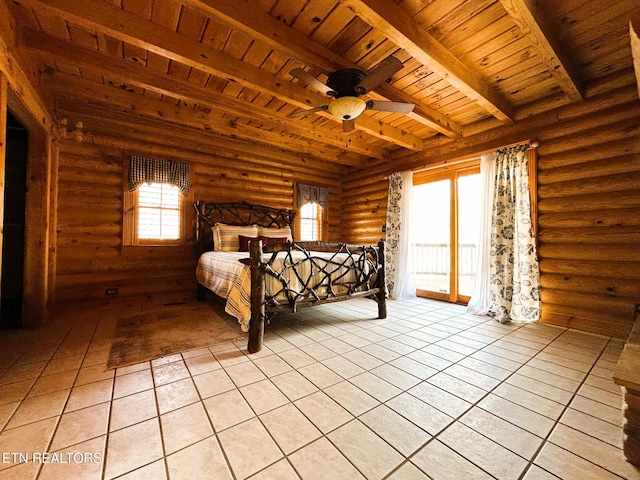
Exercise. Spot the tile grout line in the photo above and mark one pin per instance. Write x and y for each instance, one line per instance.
(213, 429)
(165, 462)
(110, 409)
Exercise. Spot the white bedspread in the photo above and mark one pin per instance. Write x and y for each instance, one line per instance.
(224, 275)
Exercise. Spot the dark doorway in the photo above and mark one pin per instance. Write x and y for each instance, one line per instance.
(11, 294)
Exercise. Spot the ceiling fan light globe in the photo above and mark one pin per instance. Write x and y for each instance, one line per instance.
(347, 108)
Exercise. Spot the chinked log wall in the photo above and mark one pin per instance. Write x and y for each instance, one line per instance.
(88, 257)
(588, 207)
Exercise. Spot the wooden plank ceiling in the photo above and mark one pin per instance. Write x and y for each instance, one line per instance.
(221, 68)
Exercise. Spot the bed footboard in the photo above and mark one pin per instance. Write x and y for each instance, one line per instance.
(306, 278)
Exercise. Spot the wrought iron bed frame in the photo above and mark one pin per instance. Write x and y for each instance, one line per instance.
(369, 282)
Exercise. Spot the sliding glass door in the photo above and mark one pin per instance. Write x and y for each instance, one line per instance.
(446, 224)
(468, 224)
(432, 237)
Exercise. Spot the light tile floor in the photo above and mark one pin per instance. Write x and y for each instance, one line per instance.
(429, 392)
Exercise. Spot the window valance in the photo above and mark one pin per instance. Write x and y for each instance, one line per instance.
(312, 194)
(151, 170)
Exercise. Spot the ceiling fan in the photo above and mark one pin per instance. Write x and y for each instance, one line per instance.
(346, 86)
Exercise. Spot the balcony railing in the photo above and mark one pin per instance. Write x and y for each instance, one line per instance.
(433, 258)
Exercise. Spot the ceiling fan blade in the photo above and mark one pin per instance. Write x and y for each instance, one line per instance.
(304, 113)
(348, 125)
(312, 81)
(395, 107)
(381, 73)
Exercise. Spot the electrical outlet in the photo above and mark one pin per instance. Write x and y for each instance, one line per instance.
(111, 291)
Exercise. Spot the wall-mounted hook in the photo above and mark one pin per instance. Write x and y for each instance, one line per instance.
(77, 133)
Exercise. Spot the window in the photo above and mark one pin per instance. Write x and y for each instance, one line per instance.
(158, 212)
(157, 207)
(310, 222)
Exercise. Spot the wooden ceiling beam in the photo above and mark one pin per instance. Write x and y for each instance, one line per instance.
(124, 72)
(388, 18)
(298, 46)
(67, 86)
(20, 80)
(135, 30)
(531, 20)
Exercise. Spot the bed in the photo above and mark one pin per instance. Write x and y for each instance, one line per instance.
(246, 255)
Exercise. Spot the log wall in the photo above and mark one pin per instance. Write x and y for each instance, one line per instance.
(589, 222)
(588, 206)
(89, 257)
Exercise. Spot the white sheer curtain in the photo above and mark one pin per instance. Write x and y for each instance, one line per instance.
(480, 301)
(398, 241)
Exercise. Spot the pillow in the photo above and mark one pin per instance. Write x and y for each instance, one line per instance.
(273, 240)
(276, 232)
(244, 242)
(225, 237)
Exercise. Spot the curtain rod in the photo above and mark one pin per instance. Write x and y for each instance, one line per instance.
(533, 144)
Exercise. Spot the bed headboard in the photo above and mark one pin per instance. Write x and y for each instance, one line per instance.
(236, 213)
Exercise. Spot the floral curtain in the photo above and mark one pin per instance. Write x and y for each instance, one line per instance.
(397, 245)
(514, 274)
(151, 170)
